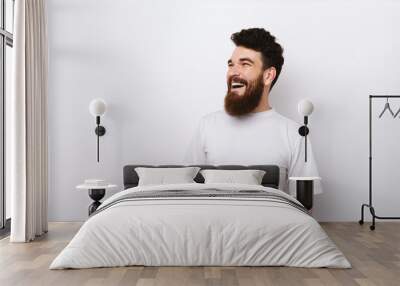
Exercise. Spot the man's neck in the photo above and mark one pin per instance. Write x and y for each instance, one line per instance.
(263, 105)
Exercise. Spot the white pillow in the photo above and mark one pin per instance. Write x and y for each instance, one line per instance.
(249, 177)
(163, 176)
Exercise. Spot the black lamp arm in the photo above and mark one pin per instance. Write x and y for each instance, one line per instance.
(100, 131)
(303, 131)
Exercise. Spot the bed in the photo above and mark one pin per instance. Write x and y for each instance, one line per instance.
(201, 224)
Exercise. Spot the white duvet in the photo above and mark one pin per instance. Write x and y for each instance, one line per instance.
(200, 231)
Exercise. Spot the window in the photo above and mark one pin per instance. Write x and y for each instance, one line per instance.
(6, 44)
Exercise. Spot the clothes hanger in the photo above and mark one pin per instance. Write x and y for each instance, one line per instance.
(387, 107)
(397, 113)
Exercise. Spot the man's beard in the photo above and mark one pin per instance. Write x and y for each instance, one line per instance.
(237, 105)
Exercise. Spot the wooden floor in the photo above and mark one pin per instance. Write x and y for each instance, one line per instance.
(375, 257)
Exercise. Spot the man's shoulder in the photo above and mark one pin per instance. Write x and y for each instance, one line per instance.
(290, 123)
(290, 128)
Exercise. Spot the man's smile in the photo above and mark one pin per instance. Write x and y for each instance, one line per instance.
(238, 85)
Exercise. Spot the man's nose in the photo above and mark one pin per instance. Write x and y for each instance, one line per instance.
(234, 71)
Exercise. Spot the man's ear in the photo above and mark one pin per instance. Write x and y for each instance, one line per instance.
(269, 75)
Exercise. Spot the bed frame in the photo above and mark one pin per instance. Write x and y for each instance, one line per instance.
(270, 179)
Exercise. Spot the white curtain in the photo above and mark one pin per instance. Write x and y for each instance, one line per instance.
(28, 122)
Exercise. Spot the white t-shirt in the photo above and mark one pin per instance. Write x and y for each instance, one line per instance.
(259, 138)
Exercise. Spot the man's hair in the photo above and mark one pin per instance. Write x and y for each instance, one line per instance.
(262, 41)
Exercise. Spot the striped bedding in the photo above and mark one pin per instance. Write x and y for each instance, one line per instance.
(200, 225)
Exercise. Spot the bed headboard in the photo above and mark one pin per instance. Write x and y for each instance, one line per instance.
(270, 179)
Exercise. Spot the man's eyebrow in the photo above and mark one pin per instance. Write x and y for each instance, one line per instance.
(246, 60)
(242, 60)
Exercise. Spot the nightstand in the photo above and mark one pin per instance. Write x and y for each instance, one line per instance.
(96, 193)
(305, 190)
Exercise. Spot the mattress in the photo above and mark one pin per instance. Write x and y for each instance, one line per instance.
(201, 225)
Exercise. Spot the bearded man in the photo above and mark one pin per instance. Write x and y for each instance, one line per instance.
(249, 131)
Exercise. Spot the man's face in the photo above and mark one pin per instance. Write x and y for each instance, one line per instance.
(244, 80)
(244, 66)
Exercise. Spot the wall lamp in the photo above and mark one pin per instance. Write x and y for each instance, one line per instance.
(305, 108)
(97, 108)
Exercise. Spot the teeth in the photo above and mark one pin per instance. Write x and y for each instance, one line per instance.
(237, 84)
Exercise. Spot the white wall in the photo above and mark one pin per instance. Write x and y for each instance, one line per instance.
(161, 65)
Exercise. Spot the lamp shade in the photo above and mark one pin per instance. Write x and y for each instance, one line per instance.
(97, 107)
(305, 107)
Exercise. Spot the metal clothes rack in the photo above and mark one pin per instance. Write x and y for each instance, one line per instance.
(369, 205)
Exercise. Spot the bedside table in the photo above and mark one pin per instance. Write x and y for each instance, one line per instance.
(96, 193)
(305, 190)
